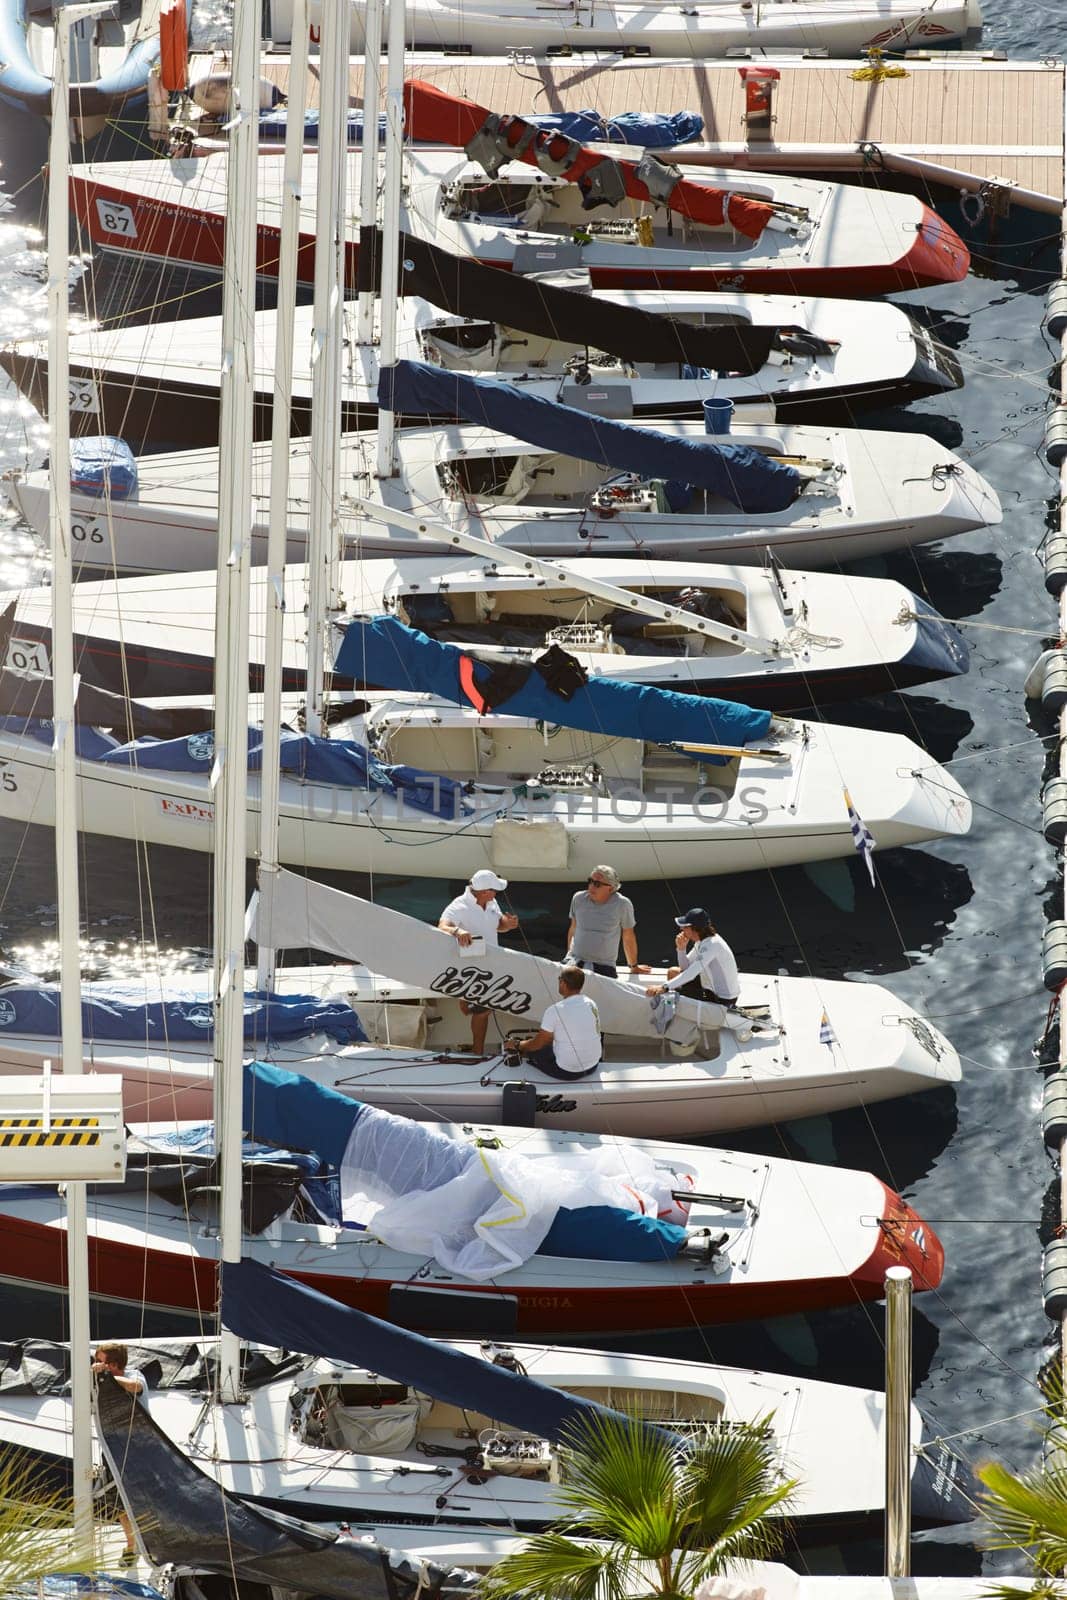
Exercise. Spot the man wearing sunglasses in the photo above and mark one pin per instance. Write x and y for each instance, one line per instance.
(600, 917)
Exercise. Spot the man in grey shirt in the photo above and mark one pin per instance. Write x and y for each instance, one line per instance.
(600, 916)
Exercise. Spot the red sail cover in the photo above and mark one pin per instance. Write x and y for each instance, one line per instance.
(435, 117)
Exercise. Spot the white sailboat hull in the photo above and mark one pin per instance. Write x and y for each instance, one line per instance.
(779, 813)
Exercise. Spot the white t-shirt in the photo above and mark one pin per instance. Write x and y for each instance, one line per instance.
(481, 921)
(718, 969)
(574, 1024)
(137, 1376)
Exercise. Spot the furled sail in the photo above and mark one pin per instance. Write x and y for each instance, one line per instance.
(383, 652)
(737, 473)
(432, 114)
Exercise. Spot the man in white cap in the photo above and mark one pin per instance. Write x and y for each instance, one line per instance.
(600, 917)
(475, 914)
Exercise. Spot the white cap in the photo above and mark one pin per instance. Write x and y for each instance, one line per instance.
(488, 880)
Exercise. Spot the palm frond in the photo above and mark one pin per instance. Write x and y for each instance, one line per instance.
(1026, 1511)
(36, 1533)
(619, 1483)
(551, 1564)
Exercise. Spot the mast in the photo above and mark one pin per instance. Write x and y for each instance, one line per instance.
(368, 172)
(274, 619)
(394, 155)
(323, 528)
(230, 771)
(64, 691)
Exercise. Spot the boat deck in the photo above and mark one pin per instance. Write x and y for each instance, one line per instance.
(993, 118)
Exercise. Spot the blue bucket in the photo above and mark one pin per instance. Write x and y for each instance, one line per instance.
(717, 414)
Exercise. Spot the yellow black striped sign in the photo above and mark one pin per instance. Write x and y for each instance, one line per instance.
(29, 1132)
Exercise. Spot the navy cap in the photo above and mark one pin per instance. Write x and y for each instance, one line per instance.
(696, 918)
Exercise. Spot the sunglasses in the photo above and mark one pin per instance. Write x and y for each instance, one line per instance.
(596, 883)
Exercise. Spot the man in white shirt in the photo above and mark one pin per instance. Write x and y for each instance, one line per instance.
(705, 956)
(568, 1043)
(475, 914)
(112, 1358)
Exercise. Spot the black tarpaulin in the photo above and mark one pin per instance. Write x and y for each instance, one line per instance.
(467, 288)
(185, 1518)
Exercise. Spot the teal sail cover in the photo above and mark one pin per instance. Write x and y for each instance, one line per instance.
(385, 654)
(735, 472)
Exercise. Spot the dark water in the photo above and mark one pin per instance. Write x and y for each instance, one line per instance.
(953, 929)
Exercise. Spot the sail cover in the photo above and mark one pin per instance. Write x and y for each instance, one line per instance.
(385, 653)
(432, 114)
(294, 913)
(121, 1011)
(186, 1519)
(744, 477)
(468, 288)
(339, 762)
(259, 1303)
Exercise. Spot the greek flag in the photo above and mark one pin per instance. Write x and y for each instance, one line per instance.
(826, 1032)
(862, 837)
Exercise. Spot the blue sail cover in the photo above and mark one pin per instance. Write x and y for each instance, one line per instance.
(120, 1011)
(265, 1307)
(283, 1108)
(385, 653)
(335, 761)
(748, 480)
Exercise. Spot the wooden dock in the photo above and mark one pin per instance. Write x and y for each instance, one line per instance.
(992, 118)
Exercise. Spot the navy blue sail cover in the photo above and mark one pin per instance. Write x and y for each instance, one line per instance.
(340, 762)
(384, 653)
(262, 1305)
(120, 1011)
(748, 480)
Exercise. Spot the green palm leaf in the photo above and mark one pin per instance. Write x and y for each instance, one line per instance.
(36, 1536)
(664, 1512)
(1026, 1511)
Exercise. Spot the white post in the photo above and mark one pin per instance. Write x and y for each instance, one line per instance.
(324, 527)
(230, 770)
(898, 1423)
(394, 156)
(368, 172)
(274, 594)
(63, 697)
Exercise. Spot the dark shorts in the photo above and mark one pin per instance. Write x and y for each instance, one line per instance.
(605, 969)
(545, 1061)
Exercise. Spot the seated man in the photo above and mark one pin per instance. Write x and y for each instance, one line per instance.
(568, 1043)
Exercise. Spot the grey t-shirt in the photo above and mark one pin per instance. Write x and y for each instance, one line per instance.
(598, 928)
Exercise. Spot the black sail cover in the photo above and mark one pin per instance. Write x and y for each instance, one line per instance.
(467, 288)
(185, 1518)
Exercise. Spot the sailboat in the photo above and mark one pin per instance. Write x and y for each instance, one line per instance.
(804, 236)
(426, 1234)
(794, 1047)
(838, 494)
(156, 384)
(774, 637)
(406, 1422)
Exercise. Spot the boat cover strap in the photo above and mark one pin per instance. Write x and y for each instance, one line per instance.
(432, 114)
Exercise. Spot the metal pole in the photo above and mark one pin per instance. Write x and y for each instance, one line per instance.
(274, 591)
(898, 1423)
(394, 156)
(323, 529)
(230, 770)
(368, 172)
(64, 690)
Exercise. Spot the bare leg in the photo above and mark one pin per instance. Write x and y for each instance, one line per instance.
(672, 972)
(479, 1029)
(127, 1530)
